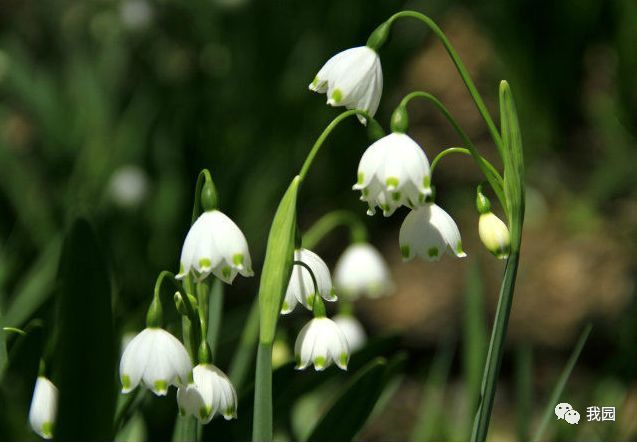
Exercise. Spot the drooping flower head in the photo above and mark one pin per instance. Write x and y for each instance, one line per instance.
(393, 171)
(215, 244)
(301, 286)
(352, 78)
(362, 271)
(429, 232)
(210, 392)
(352, 329)
(321, 342)
(155, 358)
(44, 405)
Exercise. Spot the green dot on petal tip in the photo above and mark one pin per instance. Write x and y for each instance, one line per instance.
(204, 412)
(47, 429)
(405, 251)
(181, 268)
(161, 385)
(459, 249)
(396, 195)
(226, 271)
(432, 252)
(237, 259)
(337, 95)
(392, 181)
(285, 306)
(319, 362)
(126, 381)
(361, 178)
(315, 81)
(205, 262)
(344, 359)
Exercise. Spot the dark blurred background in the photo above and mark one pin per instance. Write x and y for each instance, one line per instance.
(111, 107)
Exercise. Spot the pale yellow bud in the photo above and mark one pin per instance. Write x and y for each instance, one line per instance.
(494, 235)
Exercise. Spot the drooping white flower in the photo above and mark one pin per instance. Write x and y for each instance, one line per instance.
(321, 342)
(44, 405)
(393, 171)
(352, 78)
(361, 270)
(210, 392)
(428, 232)
(301, 287)
(353, 331)
(155, 358)
(494, 235)
(216, 245)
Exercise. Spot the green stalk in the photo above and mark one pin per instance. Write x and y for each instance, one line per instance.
(242, 359)
(496, 350)
(331, 220)
(262, 426)
(215, 313)
(464, 74)
(490, 173)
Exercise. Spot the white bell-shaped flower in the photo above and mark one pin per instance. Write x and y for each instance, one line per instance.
(321, 342)
(428, 232)
(44, 405)
(155, 358)
(362, 271)
(216, 245)
(393, 171)
(352, 78)
(494, 235)
(301, 287)
(210, 392)
(353, 331)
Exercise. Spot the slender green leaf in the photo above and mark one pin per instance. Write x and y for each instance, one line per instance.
(549, 410)
(35, 287)
(428, 425)
(277, 268)
(351, 410)
(85, 349)
(513, 164)
(524, 389)
(475, 340)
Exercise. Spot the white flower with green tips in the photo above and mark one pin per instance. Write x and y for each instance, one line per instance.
(352, 78)
(494, 235)
(362, 271)
(216, 245)
(44, 405)
(352, 329)
(210, 392)
(320, 343)
(429, 232)
(301, 286)
(155, 358)
(393, 171)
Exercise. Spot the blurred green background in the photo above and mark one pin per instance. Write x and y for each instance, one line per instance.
(109, 108)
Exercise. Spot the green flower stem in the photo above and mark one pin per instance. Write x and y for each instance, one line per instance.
(492, 176)
(242, 359)
(215, 314)
(14, 330)
(203, 291)
(524, 389)
(204, 180)
(330, 221)
(326, 132)
(464, 74)
(496, 349)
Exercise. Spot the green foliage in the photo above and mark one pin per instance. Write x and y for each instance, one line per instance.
(85, 359)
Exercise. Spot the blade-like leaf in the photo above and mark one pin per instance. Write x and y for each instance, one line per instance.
(561, 383)
(85, 347)
(351, 410)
